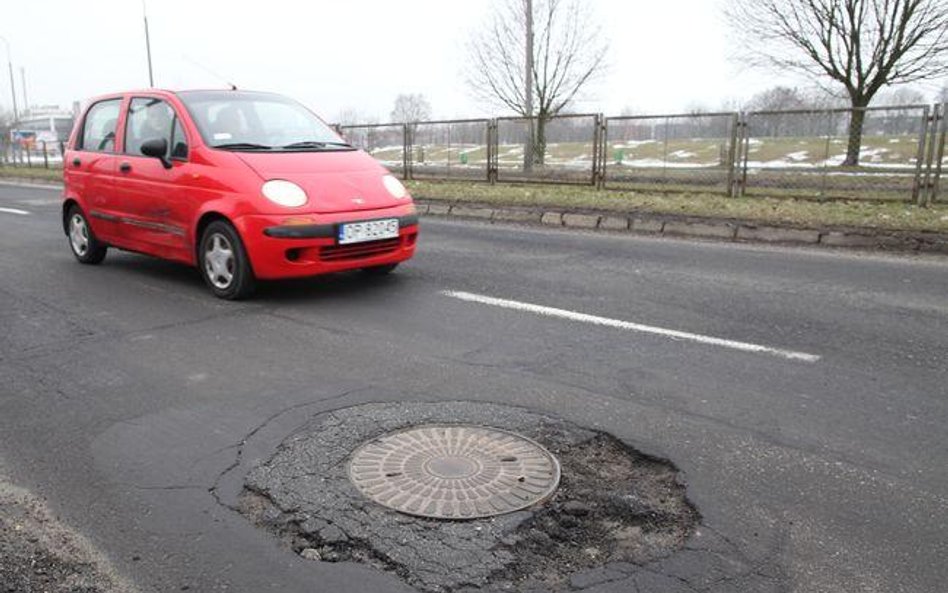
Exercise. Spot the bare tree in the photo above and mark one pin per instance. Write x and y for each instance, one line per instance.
(778, 98)
(863, 45)
(943, 95)
(351, 116)
(567, 53)
(411, 108)
(900, 96)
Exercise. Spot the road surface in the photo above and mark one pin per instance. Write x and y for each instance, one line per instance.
(802, 393)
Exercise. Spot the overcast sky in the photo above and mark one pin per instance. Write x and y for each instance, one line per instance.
(355, 54)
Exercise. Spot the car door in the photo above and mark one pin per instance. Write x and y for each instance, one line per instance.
(90, 168)
(154, 189)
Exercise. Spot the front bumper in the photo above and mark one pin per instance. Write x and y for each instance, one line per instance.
(293, 247)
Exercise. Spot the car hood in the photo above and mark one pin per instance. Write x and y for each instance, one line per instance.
(339, 181)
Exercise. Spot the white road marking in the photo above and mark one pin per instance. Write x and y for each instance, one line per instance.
(14, 211)
(627, 325)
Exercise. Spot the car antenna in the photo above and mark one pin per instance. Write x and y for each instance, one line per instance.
(232, 86)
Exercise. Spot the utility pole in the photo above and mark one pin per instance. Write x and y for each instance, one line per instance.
(151, 77)
(12, 87)
(528, 156)
(26, 102)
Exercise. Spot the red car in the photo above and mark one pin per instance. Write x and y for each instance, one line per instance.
(244, 185)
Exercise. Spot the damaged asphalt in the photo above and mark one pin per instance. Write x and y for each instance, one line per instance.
(138, 406)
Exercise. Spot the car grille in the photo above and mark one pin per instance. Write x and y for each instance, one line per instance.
(358, 250)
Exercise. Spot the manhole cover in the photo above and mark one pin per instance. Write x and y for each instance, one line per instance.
(454, 472)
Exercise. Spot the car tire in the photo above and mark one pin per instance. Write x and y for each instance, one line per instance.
(380, 270)
(82, 241)
(223, 262)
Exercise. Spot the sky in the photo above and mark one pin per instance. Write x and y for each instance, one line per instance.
(335, 55)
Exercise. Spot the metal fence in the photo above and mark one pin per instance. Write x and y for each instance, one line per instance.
(450, 149)
(561, 149)
(803, 153)
(670, 152)
(798, 153)
(40, 154)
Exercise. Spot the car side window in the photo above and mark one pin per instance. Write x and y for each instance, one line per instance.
(149, 119)
(98, 129)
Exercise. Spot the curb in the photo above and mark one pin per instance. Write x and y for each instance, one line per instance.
(721, 229)
(743, 231)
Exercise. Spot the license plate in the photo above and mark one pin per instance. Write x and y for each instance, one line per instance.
(371, 230)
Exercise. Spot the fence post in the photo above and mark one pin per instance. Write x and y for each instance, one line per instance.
(595, 155)
(939, 153)
(917, 193)
(745, 143)
(406, 151)
(732, 155)
(494, 141)
(931, 138)
(603, 150)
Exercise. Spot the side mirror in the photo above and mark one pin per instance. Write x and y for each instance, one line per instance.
(157, 148)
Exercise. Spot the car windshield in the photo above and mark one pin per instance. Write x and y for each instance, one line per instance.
(236, 120)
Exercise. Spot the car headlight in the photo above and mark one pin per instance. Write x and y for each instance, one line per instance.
(394, 187)
(284, 193)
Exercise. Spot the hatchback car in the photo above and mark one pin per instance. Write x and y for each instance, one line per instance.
(244, 185)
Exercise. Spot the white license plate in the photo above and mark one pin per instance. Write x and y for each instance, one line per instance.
(372, 230)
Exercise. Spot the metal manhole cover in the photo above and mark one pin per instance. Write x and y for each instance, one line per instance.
(454, 472)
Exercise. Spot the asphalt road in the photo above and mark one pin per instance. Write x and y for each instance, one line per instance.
(127, 390)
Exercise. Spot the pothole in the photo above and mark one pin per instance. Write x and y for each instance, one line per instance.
(614, 507)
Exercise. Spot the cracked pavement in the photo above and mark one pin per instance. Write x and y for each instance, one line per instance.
(132, 401)
(614, 508)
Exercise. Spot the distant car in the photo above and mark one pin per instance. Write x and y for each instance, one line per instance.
(245, 185)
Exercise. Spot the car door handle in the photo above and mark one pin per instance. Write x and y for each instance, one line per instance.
(125, 167)
(76, 162)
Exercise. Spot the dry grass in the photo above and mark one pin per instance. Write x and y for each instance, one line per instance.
(808, 213)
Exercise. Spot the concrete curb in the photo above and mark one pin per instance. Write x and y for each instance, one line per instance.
(643, 223)
(706, 228)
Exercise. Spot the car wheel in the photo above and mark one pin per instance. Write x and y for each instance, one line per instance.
(82, 241)
(223, 262)
(380, 270)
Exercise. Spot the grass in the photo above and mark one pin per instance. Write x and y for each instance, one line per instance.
(807, 213)
(35, 173)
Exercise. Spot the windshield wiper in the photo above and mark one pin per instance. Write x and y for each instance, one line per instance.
(315, 144)
(243, 146)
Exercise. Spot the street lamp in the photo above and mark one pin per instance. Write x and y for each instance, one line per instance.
(151, 76)
(10, 66)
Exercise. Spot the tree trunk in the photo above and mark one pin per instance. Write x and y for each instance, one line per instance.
(856, 120)
(529, 147)
(539, 147)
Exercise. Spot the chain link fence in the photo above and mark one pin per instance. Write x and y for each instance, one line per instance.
(689, 152)
(794, 153)
(450, 149)
(806, 153)
(561, 149)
